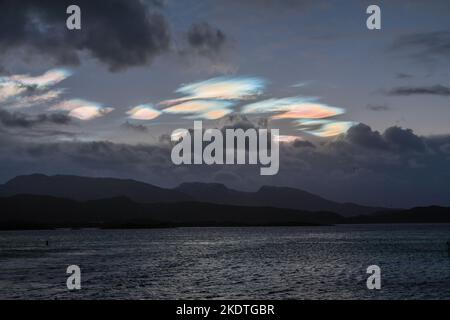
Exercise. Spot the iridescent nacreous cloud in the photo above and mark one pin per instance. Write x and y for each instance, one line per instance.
(15, 85)
(308, 114)
(293, 108)
(202, 109)
(9, 89)
(37, 99)
(309, 111)
(49, 78)
(221, 88)
(215, 98)
(143, 112)
(213, 114)
(286, 138)
(82, 109)
(326, 128)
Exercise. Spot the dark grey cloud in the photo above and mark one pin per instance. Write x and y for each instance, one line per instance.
(438, 90)
(402, 75)
(393, 139)
(119, 33)
(427, 46)
(206, 47)
(134, 127)
(378, 107)
(395, 167)
(205, 40)
(362, 135)
(21, 120)
(97, 158)
(240, 121)
(303, 144)
(404, 139)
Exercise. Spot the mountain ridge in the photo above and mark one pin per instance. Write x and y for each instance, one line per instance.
(274, 196)
(93, 188)
(89, 188)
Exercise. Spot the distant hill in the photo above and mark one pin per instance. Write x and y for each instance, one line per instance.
(86, 188)
(432, 214)
(35, 212)
(277, 197)
(42, 212)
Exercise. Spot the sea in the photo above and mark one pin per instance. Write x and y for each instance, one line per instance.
(326, 262)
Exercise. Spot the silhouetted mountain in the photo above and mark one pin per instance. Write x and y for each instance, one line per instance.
(32, 211)
(36, 212)
(85, 188)
(278, 197)
(432, 214)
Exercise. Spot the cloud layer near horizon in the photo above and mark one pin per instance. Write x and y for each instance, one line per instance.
(364, 166)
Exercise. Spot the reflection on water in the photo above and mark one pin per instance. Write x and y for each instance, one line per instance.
(228, 263)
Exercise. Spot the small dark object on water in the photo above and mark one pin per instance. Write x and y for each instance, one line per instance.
(46, 243)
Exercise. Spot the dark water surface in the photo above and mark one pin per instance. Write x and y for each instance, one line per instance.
(228, 263)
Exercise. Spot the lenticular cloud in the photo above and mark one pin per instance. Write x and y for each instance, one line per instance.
(293, 108)
(202, 109)
(221, 88)
(143, 112)
(304, 111)
(82, 109)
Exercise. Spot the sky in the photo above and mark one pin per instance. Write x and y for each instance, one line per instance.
(364, 113)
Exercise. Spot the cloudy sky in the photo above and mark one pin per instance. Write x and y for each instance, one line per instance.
(364, 114)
